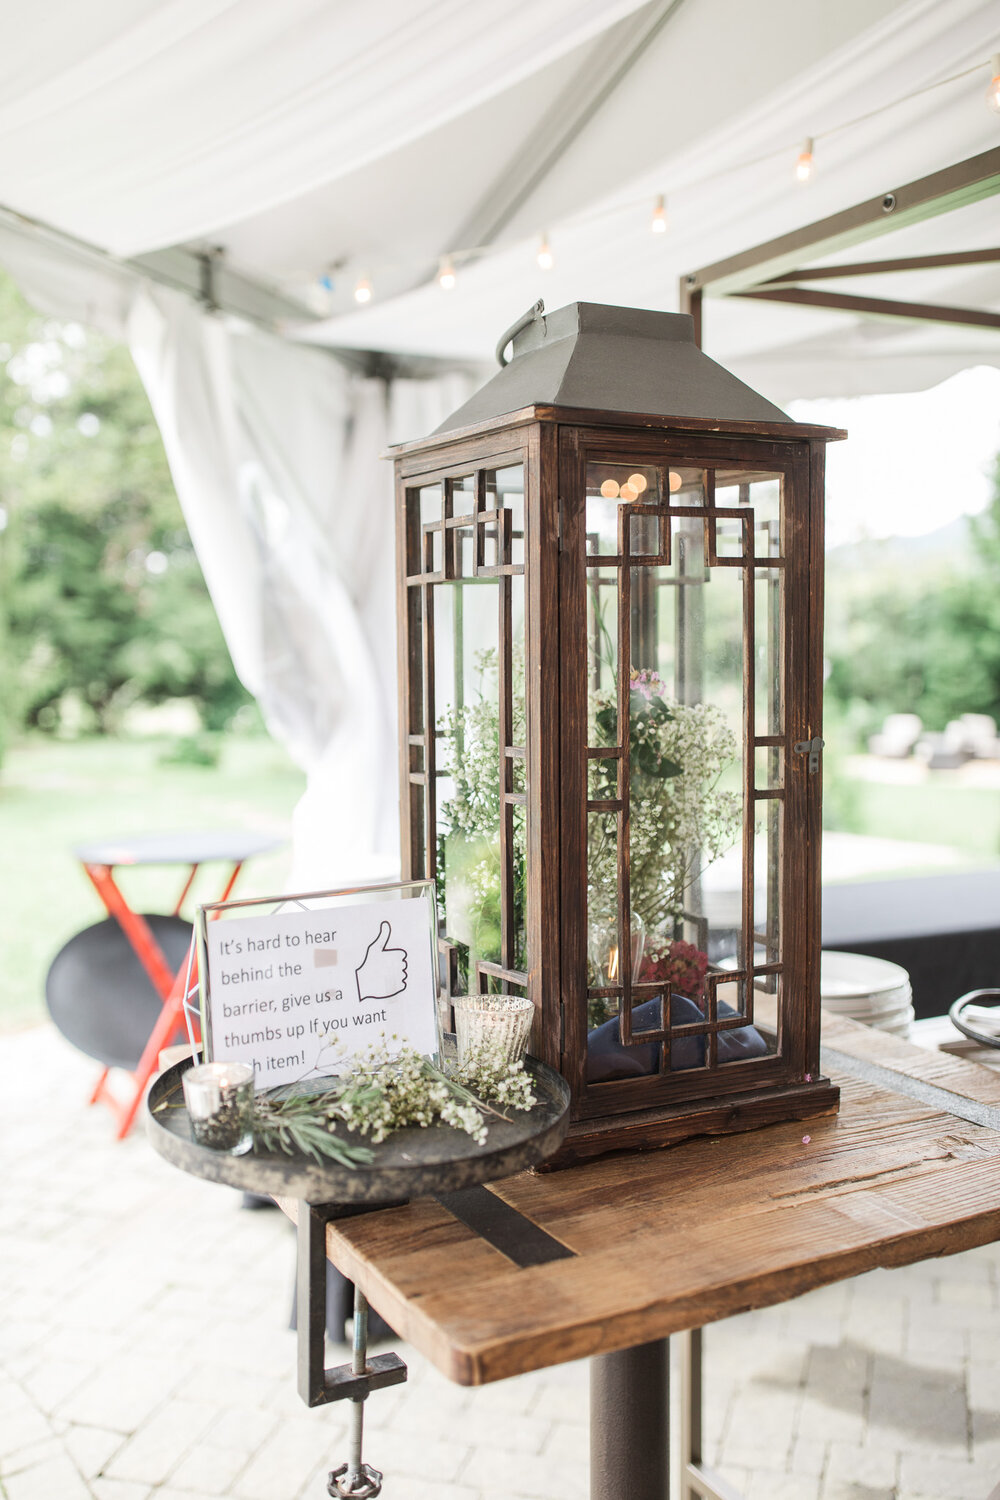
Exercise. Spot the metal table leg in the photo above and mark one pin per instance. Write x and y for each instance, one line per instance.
(698, 1482)
(630, 1423)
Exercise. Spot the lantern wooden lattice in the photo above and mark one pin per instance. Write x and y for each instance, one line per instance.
(610, 617)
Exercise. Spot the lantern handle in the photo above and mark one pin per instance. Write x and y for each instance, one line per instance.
(533, 312)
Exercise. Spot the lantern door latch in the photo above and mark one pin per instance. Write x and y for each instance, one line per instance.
(811, 748)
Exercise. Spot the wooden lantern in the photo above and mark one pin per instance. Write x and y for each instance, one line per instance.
(610, 621)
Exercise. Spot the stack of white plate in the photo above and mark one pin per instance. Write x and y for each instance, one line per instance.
(866, 989)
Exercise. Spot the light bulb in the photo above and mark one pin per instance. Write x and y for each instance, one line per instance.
(675, 481)
(638, 482)
(545, 257)
(804, 164)
(609, 489)
(446, 274)
(658, 223)
(993, 92)
(363, 290)
(629, 492)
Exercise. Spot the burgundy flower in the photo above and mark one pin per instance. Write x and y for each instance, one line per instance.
(679, 967)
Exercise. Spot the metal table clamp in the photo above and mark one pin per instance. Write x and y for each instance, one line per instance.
(353, 1480)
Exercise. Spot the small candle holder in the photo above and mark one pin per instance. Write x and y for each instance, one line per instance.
(499, 1021)
(219, 1099)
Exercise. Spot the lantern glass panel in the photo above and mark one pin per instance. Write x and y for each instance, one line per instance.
(467, 740)
(686, 648)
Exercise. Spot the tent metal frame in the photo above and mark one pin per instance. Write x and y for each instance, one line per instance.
(767, 273)
(604, 69)
(207, 276)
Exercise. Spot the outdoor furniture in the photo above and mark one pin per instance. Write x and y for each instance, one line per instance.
(972, 737)
(897, 737)
(977, 733)
(664, 1242)
(115, 990)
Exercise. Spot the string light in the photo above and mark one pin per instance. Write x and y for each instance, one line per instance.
(993, 92)
(659, 224)
(804, 165)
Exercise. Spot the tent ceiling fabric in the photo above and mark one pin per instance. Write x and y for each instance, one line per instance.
(161, 122)
(307, 135)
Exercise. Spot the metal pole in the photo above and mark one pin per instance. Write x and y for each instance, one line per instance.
(359, 1354)
(630, 1423)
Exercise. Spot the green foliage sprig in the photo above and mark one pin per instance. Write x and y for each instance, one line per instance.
(681, 820)
(306, 1123)
(493, 1079)
(387, 1089)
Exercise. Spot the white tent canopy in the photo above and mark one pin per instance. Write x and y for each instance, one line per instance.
(376, 138)
(348, 140)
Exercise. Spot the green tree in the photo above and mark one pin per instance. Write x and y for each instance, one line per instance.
(103, 596)
(927, 643)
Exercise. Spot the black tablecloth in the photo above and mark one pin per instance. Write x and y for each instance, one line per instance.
(943, 929)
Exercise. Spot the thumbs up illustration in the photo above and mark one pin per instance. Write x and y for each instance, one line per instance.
(381, 974)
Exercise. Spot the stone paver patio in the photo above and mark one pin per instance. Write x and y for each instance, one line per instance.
(144, 1352)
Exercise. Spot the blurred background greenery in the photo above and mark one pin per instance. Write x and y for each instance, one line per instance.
(120, 711)
(104, 605)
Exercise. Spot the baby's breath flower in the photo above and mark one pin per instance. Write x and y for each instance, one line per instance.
(492, 1077)
(387, 1090)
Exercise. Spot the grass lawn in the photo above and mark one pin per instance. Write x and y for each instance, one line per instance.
(940, 811)
(54, 795)
(964, 817)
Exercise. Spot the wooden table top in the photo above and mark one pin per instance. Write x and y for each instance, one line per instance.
(668, 1240)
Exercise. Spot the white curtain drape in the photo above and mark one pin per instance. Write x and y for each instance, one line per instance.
(275, 452)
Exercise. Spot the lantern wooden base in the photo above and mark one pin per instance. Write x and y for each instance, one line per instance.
(655, 1128)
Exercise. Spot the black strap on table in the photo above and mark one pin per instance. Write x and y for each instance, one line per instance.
(505, 1228)
(943, 1100)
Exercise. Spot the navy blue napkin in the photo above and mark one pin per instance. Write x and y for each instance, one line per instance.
(607, 1058)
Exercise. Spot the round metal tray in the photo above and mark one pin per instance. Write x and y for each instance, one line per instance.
(412, 1163)
(958, 1017)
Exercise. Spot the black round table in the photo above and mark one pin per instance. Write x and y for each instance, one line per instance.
(116, 989)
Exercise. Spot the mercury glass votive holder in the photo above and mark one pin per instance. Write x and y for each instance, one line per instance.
(501, 1021)
(219, 1099)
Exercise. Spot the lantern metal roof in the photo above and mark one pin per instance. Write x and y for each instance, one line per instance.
(592, 356)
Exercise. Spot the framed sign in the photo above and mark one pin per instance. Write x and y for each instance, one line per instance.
(297, 985)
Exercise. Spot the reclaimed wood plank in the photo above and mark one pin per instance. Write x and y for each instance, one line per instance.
(675, 1239)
